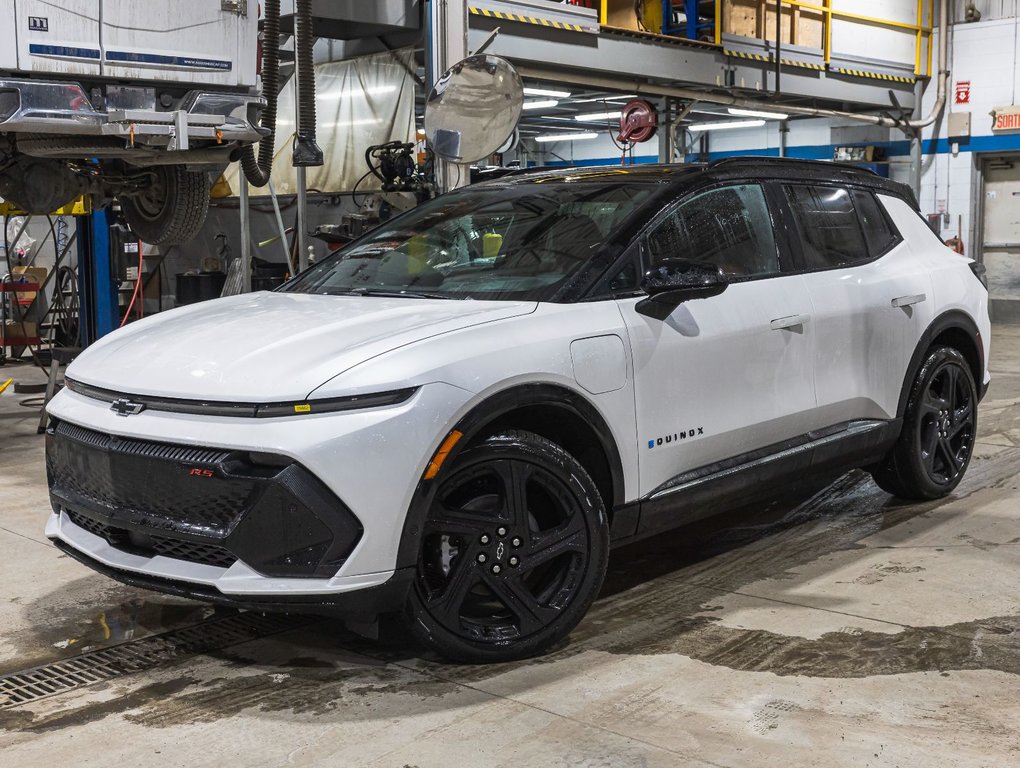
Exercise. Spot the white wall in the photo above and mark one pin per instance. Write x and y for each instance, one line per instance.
(986, 54)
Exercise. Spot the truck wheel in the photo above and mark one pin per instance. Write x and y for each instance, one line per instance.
(172, 209)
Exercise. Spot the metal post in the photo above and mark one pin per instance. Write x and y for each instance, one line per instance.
(302, 220)
(445, 44)
(301, 227)
(99, 311)
(666, 149)
(245, 238)
(916, 156)
(779, 42)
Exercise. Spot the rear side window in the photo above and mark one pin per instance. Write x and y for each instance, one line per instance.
(728, 226)
(830, 232)
(878, 230)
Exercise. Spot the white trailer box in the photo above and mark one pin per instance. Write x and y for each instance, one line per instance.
(141, 101)
(188, 41)
(57, 38)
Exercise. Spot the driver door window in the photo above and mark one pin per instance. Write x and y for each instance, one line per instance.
(728, 226)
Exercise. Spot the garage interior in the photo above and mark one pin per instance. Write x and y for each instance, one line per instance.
(837, 626)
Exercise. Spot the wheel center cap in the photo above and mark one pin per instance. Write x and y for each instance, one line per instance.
(499, 551)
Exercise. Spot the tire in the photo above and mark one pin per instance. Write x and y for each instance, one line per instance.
(513, 551)
(935, 445)
(172, 209)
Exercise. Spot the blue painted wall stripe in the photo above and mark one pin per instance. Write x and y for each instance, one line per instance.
(73, 52)
(997, 143)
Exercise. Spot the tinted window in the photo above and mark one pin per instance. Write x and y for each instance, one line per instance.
(521, 242)
(830, 233)
(624, 278)
(878, 231)
(729, 227)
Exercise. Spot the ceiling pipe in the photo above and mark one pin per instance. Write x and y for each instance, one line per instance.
(688, 94)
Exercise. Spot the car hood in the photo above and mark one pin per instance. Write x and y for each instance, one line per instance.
(269, 346)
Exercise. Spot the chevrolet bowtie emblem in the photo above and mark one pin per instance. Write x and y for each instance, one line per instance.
(124, 407)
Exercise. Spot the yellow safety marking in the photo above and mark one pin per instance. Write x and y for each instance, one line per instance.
(765, 57)
(5, 385)
(812, 65)
(536, 20)
(875, 75)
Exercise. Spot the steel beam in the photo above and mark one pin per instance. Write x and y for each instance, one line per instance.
(676, 64)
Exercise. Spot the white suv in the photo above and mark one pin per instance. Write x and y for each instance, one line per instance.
(458, 414)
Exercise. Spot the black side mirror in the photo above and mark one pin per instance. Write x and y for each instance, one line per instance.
(675, 281)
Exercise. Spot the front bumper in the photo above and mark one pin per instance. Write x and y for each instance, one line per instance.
(386, 597)
(371, 459)
(46, 107)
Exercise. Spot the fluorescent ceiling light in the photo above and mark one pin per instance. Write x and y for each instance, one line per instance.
(729, 124)
(540, 104)
(756, 113)
(547, 92)
(593, 117)
(350, 93)
(567, 136)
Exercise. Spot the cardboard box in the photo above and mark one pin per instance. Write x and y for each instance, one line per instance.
(35, 275)
(15, 334)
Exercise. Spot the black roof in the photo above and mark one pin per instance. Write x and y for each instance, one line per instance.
(740, 167)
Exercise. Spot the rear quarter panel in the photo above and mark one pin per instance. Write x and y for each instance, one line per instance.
(954, 286)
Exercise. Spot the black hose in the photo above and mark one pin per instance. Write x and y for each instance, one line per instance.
(306, 150)
(257, 170)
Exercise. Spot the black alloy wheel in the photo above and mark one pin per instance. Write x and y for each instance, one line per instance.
(948, 423)
(939, 430)
(513, 551)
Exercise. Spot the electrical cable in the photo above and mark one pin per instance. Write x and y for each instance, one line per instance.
(138, 286)
(354, 191)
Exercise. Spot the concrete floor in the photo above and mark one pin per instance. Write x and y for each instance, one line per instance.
(846, 629)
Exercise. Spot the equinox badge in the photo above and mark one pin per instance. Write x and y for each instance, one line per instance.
(125, 407)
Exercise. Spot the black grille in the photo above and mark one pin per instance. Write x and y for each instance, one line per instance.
(203, 505)
(151, 478)
(149, 545)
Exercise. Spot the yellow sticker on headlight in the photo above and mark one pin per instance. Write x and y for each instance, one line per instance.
(303, 408)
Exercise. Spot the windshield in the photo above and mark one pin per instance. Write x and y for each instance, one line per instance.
(506, 243)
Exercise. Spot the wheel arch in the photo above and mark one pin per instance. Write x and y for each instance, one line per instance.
(956, 329)
(555, 412)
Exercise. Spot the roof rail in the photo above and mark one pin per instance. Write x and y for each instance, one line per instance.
(764, 160)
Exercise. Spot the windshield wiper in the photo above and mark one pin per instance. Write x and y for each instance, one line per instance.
(383, 293)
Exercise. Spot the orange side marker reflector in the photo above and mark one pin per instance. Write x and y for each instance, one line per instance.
(442, 453)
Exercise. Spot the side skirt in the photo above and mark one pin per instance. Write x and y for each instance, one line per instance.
(759, 475)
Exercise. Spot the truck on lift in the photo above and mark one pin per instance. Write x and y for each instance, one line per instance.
(145, 103)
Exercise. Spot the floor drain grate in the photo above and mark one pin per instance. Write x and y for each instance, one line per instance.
(138, 655)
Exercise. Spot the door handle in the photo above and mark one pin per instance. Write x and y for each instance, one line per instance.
(906, 301)
(789, 322)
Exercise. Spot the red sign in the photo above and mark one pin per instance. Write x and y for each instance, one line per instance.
(962, 91)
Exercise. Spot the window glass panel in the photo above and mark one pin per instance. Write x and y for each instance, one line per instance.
(519, 242)
(729, 227)
(623, 278)
(877, 230)
(830, 233)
